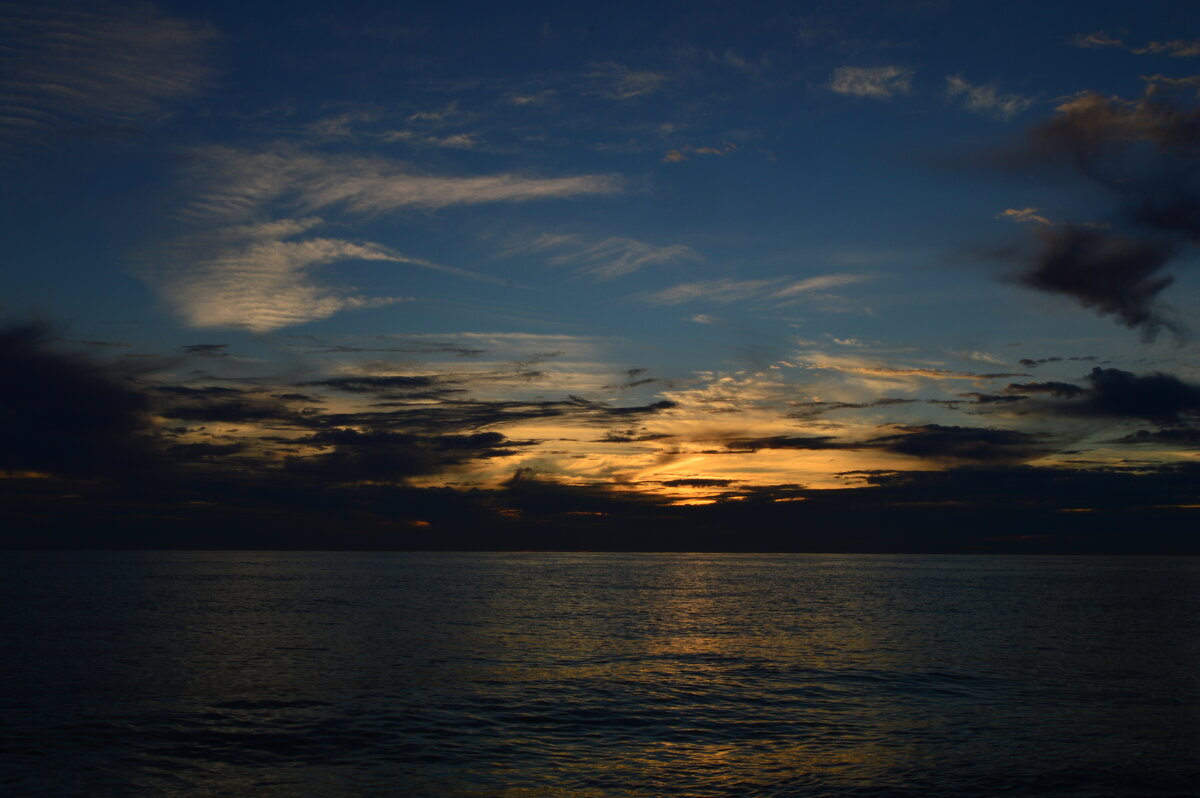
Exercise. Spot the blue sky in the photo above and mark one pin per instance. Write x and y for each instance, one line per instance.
(800, 244)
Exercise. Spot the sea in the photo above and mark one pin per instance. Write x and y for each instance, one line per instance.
(461, 675)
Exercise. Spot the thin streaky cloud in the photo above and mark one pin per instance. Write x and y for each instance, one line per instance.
(780, 290)
(1095, 40)
(237, 183)
(818, 283)
(74, 67)
(879, 82)
(606, 258)
(721, 290)
(1178, 48)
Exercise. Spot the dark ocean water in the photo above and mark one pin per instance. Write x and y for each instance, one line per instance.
(345, 674)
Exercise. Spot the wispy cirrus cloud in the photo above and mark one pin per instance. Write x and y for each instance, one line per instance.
(779, 290)
(873, 368)
(256, 267)
(881, 83)
(70, 67)
(233, 182)
(1179, 48)
(986, 99)
(605, 258)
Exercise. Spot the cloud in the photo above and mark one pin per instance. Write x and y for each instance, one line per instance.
(964, 444)
(207, 350)
(254, 277)
(816, 442)
(780, 290)
(1059, 389)
(618, 82)
(814, 409)
(426, 385)
(986, 99)
(606, 258)
(1024, 215)
(67, 415)
(254, 272)
(870, 368)
(1179, 48)
(376, 455)
(1191, 82)
(223, 405)
(239, 183)
(1156, 397)
(1143, 155)
(1112, 274)
(816, 284)
(1031, 362)
(1185, 437)
(455, 141)
(1116, 394)
(1094, 40)
(111, 470)
(680, 154)
(72, 67)
(878, 82)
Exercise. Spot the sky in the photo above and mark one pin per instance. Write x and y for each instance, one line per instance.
(854, 276)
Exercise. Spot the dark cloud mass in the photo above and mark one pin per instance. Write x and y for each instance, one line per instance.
(1143, 154)
(964, 444)
(1156, 397)
(67, 415)
(1116, 394)
(380, 455)
(1114, 275)
(92, 459)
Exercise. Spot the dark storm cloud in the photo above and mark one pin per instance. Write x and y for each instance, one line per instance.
(1066, 390)
(67, 415)
(216, 404)
(1156, 397)
(963, 444)
(1117, 394)
(1115, 275)
(698, 483)
(1144, 155)
(383, 455)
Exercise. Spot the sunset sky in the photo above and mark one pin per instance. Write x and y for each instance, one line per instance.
(540, 275)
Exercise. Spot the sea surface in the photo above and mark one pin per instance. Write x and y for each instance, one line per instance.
(448, 675)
